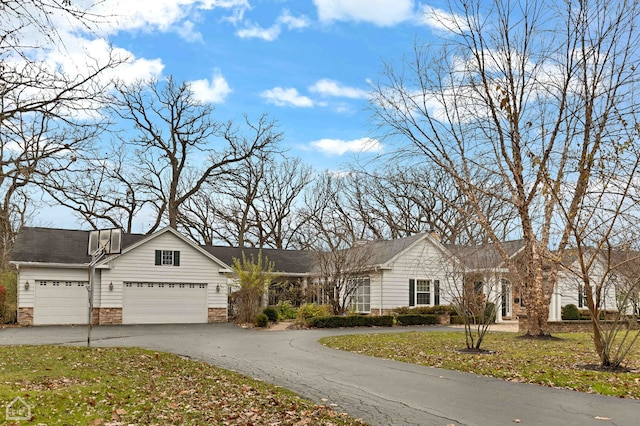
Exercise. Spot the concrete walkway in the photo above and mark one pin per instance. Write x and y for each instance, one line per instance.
(382, 392)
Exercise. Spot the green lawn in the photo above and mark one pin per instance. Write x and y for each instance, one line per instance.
(556, 363)
(76, 385)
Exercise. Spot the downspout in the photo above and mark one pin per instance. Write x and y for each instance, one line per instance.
(381, 289)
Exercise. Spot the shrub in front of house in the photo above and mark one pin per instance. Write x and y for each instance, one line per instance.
(417, 319)
(262, 320)
(271, 313)
(8, 310)
(286, 310)
(425, 310)
(351, 321)
(308, 311)
(456, 319)
(570, 312)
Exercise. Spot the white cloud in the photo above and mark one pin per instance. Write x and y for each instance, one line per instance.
(273, 32)
(442, 20)
(187, 31)
(215, 90)
(286, 97)
(161, 15)
(341, 147)
(378, 12)
(327, 87)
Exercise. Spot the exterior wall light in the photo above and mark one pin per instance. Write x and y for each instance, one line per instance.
(218, 288)
(26, 285)
(111, 286)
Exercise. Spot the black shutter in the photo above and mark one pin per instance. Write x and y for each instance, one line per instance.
(412, 292)
(158, 257)
(176, 258)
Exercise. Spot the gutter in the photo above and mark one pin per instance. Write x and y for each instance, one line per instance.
(54, 265)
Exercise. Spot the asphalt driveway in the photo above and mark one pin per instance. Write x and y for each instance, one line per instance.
(382, 392)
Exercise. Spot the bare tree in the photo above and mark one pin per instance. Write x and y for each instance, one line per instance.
(341, 271)
(603, 261)
(45, 110)
(254, 206)
(474, 281)
(533, 94)
(101, 191)
(179, 146)
(277, 211)
(398, 201)
(342, 260)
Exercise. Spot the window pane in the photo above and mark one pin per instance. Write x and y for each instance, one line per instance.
(423, 298)
(167, 257)
(422, 285)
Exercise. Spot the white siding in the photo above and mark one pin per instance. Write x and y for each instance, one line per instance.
(32, 274)
(138, 265)
(569, 284)
(422, 261)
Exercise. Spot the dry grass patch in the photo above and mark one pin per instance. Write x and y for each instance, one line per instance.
(555, 362)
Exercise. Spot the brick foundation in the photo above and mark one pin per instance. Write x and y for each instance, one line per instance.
(217, 315)
(107, 316)
(25, 316)
(576, 326)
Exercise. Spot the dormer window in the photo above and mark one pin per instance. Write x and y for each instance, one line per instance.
(167, 258)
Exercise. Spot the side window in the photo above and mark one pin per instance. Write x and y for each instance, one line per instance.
(167, 257)
(423, 292)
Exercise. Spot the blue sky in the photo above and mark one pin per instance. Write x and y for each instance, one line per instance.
(308, 64)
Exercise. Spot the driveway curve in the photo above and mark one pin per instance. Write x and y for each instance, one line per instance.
(381, 392)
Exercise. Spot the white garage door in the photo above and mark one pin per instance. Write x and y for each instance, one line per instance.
(61, 302)
(164, 303)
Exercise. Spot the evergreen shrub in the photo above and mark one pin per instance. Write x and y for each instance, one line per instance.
(271, 313)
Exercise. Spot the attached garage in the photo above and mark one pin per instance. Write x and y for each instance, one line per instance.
(61, 302)
(161, 278)
(164, 303)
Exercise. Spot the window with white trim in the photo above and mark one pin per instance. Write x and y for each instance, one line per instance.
(423, 292)
(167, 258)
(361, 297)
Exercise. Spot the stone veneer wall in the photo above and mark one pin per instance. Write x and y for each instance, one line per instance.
(217, 315)
(25, 316)
(107, 316)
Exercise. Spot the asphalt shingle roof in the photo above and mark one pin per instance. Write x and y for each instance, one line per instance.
(51, 245)
(485, 255)
(291, 261)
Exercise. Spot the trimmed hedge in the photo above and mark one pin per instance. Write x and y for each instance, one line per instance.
(350, 321)
(425, 310)
(417, 319)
